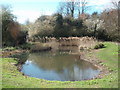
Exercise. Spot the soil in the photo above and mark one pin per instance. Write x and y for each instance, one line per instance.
(96, 62)
(10, 53)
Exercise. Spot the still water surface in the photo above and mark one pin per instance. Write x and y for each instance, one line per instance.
(58, 66)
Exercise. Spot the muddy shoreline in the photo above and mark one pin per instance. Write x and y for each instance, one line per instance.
(84, 56)
(96, 62)
(6, 54)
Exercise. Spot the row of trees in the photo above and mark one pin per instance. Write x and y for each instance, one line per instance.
(56, 26)
(64, 23)
(103, 26)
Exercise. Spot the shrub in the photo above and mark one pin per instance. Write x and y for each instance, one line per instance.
(25, 46)
(98, 46)
(9, 48)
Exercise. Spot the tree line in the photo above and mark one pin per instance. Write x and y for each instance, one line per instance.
(71, 20)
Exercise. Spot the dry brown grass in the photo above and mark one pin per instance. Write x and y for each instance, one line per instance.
(37, 46)
(80, 42)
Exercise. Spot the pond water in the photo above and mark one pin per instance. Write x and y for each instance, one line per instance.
(58, 66)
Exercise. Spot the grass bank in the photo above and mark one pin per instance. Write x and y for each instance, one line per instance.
(12, 78)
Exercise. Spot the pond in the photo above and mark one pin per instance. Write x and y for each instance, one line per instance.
(58, 66)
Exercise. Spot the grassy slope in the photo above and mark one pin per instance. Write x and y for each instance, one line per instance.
(109, 57)
(14, 79)
(0, 72)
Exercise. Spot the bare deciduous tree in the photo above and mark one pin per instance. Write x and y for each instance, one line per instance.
(81, 6)
(115, 4)
(67, 8)
(71, 7)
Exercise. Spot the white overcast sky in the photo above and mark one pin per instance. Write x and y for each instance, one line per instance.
(32, 9)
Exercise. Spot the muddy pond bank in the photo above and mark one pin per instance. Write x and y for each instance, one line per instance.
(58, 66)
(81, 55)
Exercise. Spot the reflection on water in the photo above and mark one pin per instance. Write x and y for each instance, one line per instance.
(58, 66)
(72, 49)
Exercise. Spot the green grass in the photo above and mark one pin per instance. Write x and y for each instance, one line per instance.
(109, 55)
(0, 73)
(12, 78)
